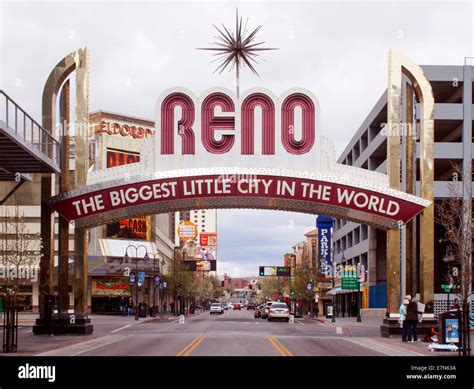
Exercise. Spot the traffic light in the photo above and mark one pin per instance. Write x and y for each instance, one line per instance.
(292, 293)
(262, 271)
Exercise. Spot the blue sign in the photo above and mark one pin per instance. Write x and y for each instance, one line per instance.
(157, 280)
(452, 330)
(141, 278)
(324, 225)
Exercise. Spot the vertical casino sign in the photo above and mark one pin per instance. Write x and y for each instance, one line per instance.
(324, 225)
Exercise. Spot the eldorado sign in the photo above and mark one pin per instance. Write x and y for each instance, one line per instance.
(287, 166)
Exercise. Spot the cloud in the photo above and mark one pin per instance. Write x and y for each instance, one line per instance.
(251, 238)
(336, 49)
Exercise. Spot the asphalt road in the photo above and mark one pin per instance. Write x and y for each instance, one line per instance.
(235, 333)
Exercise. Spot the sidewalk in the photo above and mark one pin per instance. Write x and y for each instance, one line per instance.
(30, 344)
(370, 327)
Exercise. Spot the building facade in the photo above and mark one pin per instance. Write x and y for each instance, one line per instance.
(453, 116)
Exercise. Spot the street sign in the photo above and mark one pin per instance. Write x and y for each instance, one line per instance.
(309, 285)
(164, 285)
(324, 285)
(349, 283)
(132, 278)
(157, 280)
(446, 288)
(281, 271)
(350, 278)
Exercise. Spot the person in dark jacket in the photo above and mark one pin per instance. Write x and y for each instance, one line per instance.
(412, 320)
(122, 305)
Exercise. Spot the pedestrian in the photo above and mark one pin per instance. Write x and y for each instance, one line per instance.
(412, 319)
(164, 307)
(455, 304)
(403, 315)
(122, 305)
(130, 306)
(172, 307)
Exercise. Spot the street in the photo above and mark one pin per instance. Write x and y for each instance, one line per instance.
(235, 333)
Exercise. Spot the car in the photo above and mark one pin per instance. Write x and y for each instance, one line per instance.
(258, 312)
(237, 307)
(250, 306)
(216, 308)
(224, 306)
(278, 311)
(265, 309)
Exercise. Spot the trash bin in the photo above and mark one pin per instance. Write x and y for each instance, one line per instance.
(449, 326)
(329, 310)
(142, 310)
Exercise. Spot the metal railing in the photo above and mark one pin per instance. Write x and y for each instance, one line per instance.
(23, 126)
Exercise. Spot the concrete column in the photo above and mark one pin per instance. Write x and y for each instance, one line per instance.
(81, 257)
(372, 257)
(63, 242)
(47, 250)
(394, 95)
(410, 180)
(80, 271)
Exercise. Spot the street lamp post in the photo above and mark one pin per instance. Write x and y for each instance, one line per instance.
(145, 258)
(333, 318)
(448, 258)
(162, 263)
(163, 284)
(358, 293)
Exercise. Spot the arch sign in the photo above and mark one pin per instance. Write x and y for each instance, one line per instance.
(261, 151)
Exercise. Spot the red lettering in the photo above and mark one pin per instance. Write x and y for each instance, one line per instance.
(211, 123)
(268, 123)
(288, 121)
(184, 124)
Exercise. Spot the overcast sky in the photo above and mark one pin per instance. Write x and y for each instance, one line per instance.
(336, 49)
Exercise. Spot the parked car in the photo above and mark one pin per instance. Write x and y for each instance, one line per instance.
(258, 312)
(265, 309)
(250, 306)
(216, 308)
(237, 307)
(278, 311)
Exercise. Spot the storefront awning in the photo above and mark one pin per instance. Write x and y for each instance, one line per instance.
(340, 291)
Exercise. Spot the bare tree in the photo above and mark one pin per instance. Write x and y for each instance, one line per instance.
(19, 248)
(454, 215)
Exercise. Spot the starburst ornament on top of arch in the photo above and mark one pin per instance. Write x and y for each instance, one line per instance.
(236, 50)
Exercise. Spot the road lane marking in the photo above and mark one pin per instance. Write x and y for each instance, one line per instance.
(339, 330)
(279, 347)
(84, 347)
(386, 349)
(191, 346)
(301, 324)
(122, 328)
